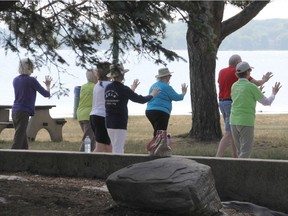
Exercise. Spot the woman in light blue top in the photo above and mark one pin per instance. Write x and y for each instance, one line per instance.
(159, 108)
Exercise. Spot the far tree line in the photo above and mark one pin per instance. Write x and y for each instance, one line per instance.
(270, 34)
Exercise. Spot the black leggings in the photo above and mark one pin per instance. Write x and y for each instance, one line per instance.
(158, 119)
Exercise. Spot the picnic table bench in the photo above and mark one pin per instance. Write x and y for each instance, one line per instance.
(40, 120)
(4, 118)
(4, 125)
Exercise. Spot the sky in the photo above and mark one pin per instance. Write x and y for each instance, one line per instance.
(275, 9)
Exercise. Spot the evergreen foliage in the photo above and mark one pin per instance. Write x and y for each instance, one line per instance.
(83, 26)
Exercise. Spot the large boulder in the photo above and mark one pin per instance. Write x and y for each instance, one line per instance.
(174, 186)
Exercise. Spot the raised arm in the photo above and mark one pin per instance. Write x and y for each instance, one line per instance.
(47, 82)
(264, 79)
(268, 101)
(135, 84)
(184, 88)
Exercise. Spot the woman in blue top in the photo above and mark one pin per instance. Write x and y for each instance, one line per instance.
(25, 89)
(159, 108)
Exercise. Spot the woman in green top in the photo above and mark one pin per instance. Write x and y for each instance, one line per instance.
(245, 96)
(85, 107)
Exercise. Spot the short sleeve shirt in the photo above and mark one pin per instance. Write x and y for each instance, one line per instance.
(226, 79)
(244, 96)
(85, 101)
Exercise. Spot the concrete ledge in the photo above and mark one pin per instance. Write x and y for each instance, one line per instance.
(262, 182)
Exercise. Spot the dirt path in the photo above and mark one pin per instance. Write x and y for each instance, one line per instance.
(46, 196)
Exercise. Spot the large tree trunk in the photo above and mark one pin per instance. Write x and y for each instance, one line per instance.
(205, 33)
(204, 36)
(205, 112)
(202, 39)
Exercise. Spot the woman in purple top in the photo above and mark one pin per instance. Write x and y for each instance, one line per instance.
(25, 89)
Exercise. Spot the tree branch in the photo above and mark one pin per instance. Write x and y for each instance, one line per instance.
(239, 20)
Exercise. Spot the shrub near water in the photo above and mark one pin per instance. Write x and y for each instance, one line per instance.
(270, 137)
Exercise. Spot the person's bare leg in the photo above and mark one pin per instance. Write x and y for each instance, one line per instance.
(108, 148)
(100, 147)
(224, 143)
(234, 150)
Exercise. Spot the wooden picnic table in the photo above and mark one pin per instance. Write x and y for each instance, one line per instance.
(40, 120)
(4, 113)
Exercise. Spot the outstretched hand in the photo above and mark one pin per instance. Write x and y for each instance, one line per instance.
(261, 89)
(155, 92)
(135, 84)
(276, 88)
(48, 80)
(267, 76)
(184, 88)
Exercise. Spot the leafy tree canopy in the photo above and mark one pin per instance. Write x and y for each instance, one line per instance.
(48, 25)
(83, 25)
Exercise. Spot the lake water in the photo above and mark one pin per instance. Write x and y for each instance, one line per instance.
(145, 71)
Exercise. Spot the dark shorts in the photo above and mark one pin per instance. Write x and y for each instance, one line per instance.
(158, 119)
(99, 128)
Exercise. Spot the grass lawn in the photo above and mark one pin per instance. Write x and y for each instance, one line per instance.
(270, 137)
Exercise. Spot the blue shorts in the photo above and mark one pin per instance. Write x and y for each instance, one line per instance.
(225, 108)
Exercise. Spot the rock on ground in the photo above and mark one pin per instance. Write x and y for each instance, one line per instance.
(175, 186)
